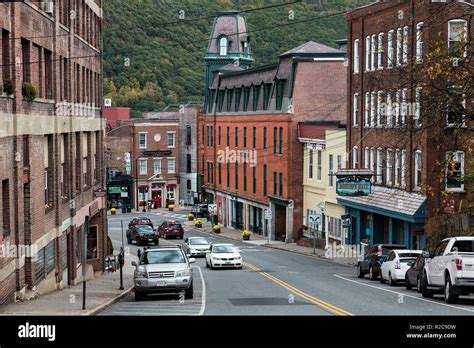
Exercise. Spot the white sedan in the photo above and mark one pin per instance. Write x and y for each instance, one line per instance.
(223, 256)
(397, 263)
(196, 246)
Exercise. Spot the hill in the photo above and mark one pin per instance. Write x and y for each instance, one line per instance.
(153, 50)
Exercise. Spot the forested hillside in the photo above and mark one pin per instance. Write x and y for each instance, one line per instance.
(154, 49)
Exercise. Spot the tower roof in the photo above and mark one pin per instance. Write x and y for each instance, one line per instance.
(233, 25)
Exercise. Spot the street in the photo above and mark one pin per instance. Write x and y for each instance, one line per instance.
(275, 282)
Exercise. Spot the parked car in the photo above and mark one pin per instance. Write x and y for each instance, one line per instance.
(163, 270)
(200, 210)
(449, 269)
(223, 255)
(373, 259)
(141, 220)
(196, 246)
(414, 273)
(393, 269)
(171, 228)
(142, 235)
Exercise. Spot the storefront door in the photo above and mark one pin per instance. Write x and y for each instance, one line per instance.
(156, 198)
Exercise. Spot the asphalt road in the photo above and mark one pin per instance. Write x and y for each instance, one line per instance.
(275, 282)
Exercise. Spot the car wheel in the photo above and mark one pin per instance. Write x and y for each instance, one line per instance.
(207, 264)
(211, 266)
(372, 275)
(164, 236)
(390, 280)
(381, 277)
(139, 295)
(359, 272)
(189, 293)
(449, 296)
(418, 284)
(157, 242)
(407, 283)
(424, 287)
(129, 240)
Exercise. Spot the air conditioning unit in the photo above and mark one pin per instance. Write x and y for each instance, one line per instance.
(108, 103)
(47, 6)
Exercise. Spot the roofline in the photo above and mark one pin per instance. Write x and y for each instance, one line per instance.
(250, 70)
(322, 123)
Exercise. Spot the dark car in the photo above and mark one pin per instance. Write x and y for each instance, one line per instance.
(200, 210)
(373, 259)
(171, 228)
(141, 220)
(142, 235)
(414, 273)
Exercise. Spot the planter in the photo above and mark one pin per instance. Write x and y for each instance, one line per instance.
(216, 229)
(171, 207)
(198, 225)
(190, 218)
(246, 237)
(113, 211)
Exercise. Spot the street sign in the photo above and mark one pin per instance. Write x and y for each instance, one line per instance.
(268, 214)
(314, 219)
(346, 220)
(212, 208)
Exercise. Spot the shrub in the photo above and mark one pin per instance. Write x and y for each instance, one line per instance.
(8, 87)
(246, 233)
(28, 91)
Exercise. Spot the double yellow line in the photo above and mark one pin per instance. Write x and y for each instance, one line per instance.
(327, 306)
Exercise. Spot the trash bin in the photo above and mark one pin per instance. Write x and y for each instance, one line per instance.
(124, 209)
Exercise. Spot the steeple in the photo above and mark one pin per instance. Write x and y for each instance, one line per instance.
(229, 44)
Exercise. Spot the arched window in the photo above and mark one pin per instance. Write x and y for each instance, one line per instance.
(223, 42)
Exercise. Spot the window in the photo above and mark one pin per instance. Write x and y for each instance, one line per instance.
(388, 178)
(389, 109)
(339, 162)
(379, 108)
(372, 162)
(404, 106)
(157, 164)
(379, 166)
(228, 136)
(366, 158)
(245, 176)
(142, 140)
(390, 49)
(254, 180)
(256, 94)
(264, 179)
(416, 114)
(280, 87)
(405, 45)
(281, 183)
(236, 175)
(203, 134)
(188, 135)
(356, 56)
(142, 163)
(456, 114)
(170, 192)
(219, 135)
(419, 42)
(188, 185)
(380, 52)
(223, 42)
(399, 46)
(373, 49)
(91, 243)
(331, 170)
(281, 141)
(372, 109)
(397, 168)
(6, 206)
(229, 99)
(455, 171)
(188, 163)
(219, 166)
(238, 92)
(246, 98)
(398, 98)
(355, 107)
(220, 100)
(236, 136)
(245, 136)
(417, 182)
(366, 109)
(355, 163)
(403, 171)
(85, 177)
(266, 95)
(275, 139)
(457, 32)
(275, 183)
(171, 165)
(254, 137)
(228, 174)
(311, 163)
(320, 165)
(212, 172)
(367, 53)
(264, 138)
(171, 139)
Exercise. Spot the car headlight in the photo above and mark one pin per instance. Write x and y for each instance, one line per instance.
(215, 258)
(140, 274)
(183, 273)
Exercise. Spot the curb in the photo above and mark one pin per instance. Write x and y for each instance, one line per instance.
(281, 249)
(106, 304)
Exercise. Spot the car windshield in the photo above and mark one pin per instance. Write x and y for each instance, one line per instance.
(145, 229)
(144, 221)
(198, 241)
(220, 249)
(463, 246)
(162, 256)
(408, 255)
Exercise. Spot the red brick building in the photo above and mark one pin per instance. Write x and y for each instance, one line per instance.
(395, 127)
(51, 166)
(249, 156)
(116, 117)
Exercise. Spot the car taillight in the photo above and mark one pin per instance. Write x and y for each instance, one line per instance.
(397, 265)
(459, 264)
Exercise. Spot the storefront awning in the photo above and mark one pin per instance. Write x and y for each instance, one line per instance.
(171, 185)
(398, 204)
(143, 187)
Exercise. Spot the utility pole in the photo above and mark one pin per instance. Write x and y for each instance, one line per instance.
(84, 263)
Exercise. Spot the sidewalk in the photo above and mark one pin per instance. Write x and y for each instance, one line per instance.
(256, 239)
(101, 291)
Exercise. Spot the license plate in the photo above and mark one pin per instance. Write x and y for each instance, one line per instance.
(227, 262)
(161, 283)
(150, 239)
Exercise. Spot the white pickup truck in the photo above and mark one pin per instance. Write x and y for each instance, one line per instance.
(450, 269)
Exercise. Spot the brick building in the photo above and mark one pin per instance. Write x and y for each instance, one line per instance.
(394, 129)
(249, 156)
(51, 166)
(155, 159)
